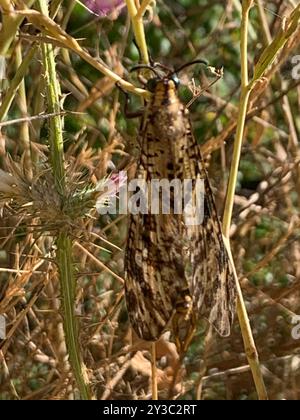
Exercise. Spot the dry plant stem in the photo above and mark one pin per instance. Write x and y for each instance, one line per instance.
(98, 262)
(15, 83)
(249, 344)
(54, 34)
(289, 27)
(114, 381)
(10, 25)
(54, 7)
(285, 100)
(153, 372)
(266, 59)
(19, 319)
(6, 376)
(203, 365)
(136, 16)
(64, 243)
(37, 117)
(143, 8)
(264, 22)
(24, 128)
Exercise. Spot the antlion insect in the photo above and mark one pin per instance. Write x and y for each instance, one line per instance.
(175, 273)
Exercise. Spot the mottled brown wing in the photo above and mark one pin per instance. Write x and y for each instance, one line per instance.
(154, 272)
(175, 272)
(212, 283)
(154, 275)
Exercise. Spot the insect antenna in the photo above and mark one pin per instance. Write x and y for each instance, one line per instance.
(191, 63)
(144, 66)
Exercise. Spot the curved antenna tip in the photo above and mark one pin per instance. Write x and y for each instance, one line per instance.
(190, 64)
(144, 66)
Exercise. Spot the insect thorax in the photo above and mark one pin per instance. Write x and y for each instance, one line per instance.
(166, 112)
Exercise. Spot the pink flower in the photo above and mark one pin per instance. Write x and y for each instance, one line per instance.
(104, 7)
(108, 189)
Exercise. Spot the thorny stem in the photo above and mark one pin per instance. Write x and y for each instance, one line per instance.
(70, 325)
(56, 129)
(64, 243)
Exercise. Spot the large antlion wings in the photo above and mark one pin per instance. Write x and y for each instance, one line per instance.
(154, 269)
(171, 267)
(212, 284)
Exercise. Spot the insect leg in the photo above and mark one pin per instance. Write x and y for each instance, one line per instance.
(127, 112)
(184, 322)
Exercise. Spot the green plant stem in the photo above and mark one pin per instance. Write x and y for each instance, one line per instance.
(64, 243)
(248, 339)
(70, 325)
(243, 105)
(266, 59)
(56, 130)
(289, 27)
(268, 56)
(229, 203)
(238, 6)
(138, 27)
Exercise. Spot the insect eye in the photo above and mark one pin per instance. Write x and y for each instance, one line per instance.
(151, 84)
(176, 80)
